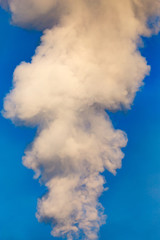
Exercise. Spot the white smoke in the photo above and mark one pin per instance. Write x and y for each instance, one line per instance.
(88, 62)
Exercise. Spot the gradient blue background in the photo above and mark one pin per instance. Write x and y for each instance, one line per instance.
(133, 200)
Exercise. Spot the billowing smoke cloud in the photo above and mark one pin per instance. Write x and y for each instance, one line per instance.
(88, 62)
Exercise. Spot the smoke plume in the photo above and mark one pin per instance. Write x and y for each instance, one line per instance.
(88, 62)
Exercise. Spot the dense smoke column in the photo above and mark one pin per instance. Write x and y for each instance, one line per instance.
(88, 62)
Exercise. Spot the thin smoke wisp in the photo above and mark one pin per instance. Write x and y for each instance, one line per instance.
(88, 62)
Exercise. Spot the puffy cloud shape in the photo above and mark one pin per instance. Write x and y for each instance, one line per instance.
(88, 62)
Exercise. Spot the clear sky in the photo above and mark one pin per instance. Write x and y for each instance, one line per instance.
(132, 202)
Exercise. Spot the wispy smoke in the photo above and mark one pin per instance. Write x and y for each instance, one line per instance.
(88, 62)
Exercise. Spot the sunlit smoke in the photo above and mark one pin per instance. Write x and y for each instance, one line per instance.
(88, 62)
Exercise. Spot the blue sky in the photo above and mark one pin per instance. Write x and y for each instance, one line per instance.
(133, 200)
